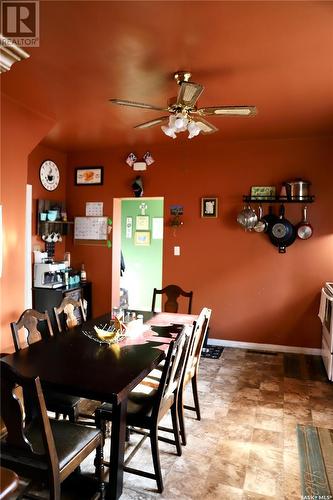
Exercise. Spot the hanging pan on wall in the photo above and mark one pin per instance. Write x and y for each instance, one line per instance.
(261, 225)
(247, 218)
(270, 218)
(282, 233)
(304, 228)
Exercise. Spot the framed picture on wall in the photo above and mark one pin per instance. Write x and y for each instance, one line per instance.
(88, 176)
(142, 222)
(142, 238)
(209, 207)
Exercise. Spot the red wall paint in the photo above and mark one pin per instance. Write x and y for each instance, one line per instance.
(21, 130)
(257, 294)
(36, 157)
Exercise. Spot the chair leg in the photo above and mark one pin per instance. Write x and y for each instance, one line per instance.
(176, 428)
(99, 469)
(196, 396)
(156, 458)
(73, 414)
(181, 420)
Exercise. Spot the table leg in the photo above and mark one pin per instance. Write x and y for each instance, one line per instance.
(117, 450)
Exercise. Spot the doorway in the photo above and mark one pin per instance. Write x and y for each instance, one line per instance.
(137, 251)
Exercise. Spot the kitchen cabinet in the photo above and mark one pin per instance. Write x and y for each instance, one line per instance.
(45, 299)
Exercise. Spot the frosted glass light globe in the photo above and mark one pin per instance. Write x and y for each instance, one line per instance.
(169, 131)
(193, 129)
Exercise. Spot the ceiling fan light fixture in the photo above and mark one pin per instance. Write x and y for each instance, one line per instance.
(180, 122)
(193, 129)
(169, 131)
(185, 115)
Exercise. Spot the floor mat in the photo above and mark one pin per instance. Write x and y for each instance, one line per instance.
(212, 351)
(315, 448)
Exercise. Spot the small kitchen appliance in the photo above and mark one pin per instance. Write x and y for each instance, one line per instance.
(326, 318)
(49, 275)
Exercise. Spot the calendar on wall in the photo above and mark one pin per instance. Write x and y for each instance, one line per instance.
(91, 228)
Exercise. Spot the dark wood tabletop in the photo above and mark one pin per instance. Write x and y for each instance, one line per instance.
(74, 364)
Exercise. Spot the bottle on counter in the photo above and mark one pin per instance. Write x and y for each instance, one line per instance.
(83, 274)
(67, 259)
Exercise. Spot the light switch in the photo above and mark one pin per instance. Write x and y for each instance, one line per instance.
(176, 250)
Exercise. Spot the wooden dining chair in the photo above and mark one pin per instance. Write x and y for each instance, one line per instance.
(172, 292)
(192, 368)
(60, 404)
(37, 447)
(147, 406)
(69, 314)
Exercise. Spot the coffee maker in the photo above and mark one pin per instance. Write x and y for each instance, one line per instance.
(49, 274)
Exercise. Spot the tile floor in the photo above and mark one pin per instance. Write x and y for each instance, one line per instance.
(245, 446)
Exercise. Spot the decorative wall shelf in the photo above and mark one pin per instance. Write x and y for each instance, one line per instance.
(278, 199)
(47, 226)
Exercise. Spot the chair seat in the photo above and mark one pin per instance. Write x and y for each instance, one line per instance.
(140, 401)
(139, 406)
(69, 440)
(55, 401)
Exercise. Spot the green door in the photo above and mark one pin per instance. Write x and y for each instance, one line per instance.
(142, 251)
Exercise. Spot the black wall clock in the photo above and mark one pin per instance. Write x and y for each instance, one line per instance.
(49, 175)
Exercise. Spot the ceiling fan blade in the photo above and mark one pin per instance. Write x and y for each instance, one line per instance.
(206, 127)
(228, 111)
(189, 93)
(152, 123)
(133, 104)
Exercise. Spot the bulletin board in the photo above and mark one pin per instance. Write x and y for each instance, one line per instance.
(88, 229)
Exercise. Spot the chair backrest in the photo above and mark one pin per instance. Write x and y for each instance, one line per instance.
(70, 313)
(173, 292)
(21, 424)
(171, 374)
(29, 320)
(200, 329)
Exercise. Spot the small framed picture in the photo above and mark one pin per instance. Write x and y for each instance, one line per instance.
(88, 176)
(209, 207)
(142, 222)
(142, 238)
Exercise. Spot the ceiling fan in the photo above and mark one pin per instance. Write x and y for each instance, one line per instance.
(184, 114)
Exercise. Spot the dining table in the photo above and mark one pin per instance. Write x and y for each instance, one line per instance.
(76, 363)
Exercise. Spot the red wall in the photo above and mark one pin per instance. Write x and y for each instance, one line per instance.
(21, 130)
(36, 157)
(257, 294)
